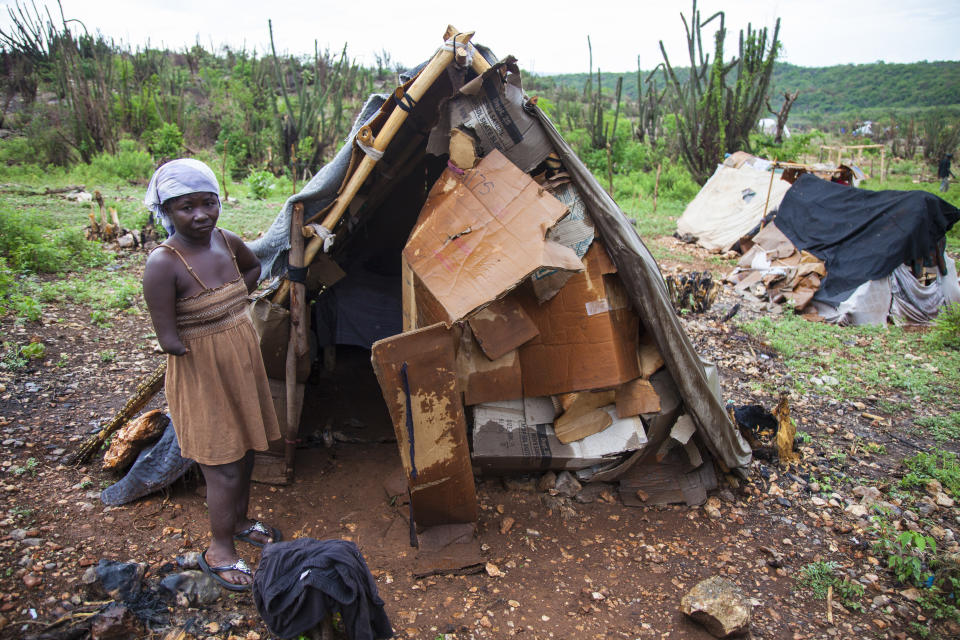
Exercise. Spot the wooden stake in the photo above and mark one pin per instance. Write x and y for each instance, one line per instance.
(223, 170)
(830, 604)
(297, 343)
(656, 188)
(397, 117)
(773, 172)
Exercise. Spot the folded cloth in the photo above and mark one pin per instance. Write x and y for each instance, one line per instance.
(301, 582)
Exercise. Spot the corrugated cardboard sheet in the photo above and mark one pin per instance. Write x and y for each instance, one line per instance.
(417, 371)
(588, 334)
(479, 239)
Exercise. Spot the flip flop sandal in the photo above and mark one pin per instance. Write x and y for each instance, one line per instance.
(214, 572)
(262, 529)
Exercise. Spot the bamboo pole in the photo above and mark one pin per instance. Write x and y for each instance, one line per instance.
(398, 116)
(296, 344)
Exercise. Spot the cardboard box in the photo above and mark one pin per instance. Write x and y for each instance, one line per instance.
(483, 232)
(504, 441)
(502, 327)
(588, 333)
(417, 373)
(485, 380)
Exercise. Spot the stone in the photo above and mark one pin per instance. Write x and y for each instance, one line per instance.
(719, 605)
(120, 580)
(567, 486)
(943, 500)
(506, 523)
(190, 588)
(18, 534)
(32, 580)
(547, 481)
(926, 506)
(867, 495)
(189, 560)
(856, 510)
(520, 483)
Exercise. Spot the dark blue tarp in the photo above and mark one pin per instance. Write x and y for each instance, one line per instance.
(861, 235)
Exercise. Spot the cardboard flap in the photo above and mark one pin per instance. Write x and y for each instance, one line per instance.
(636, 397)
(479, 239)
(417, 374)
(485, 380)
(502, 327)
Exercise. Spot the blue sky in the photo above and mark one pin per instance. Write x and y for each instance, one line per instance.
(545, 36)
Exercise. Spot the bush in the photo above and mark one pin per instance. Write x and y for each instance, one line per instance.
(28, 244)
(260, 184)
(130, 163)
(946, 328)
(166, 142)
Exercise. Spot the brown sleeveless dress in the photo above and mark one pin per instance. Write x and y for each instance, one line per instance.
(218, 392)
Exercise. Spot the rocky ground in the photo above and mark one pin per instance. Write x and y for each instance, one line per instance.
(559, 563)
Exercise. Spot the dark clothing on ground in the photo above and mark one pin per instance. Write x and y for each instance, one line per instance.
(943, 171)
(301, 582)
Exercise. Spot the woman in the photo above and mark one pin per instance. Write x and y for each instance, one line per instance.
(196, 286)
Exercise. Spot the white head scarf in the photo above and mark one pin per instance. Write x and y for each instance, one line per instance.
(178, 178)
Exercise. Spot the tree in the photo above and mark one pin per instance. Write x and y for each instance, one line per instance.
(782, 114)
(714, 115)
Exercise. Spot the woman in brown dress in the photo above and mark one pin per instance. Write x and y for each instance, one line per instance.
(196, 285)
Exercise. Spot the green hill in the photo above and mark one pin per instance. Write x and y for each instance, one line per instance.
(878, 87)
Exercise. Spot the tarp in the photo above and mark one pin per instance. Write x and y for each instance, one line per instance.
(861, 235)
(729, 205)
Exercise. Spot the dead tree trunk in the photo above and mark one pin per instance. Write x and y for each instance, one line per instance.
(788, 101)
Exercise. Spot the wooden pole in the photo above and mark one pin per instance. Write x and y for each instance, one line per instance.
(656, 188)
(223, 170)
(883, 157)
(773, 172)
(398, 116)
(296, 345)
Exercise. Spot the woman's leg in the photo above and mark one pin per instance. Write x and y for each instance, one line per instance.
(227, 484)
(243, 504)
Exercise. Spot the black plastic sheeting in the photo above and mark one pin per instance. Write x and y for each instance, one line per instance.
(861, 235)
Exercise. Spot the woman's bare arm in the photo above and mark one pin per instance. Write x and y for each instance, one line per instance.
(160, 293)
(248, 263)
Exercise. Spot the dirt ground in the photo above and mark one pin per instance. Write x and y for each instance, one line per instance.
(564, 569)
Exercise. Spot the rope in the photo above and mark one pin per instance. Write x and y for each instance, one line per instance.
(450, 45)
(322, 232)
(376, 154)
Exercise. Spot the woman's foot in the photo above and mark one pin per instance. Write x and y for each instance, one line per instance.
(228, 569)
(257, 533)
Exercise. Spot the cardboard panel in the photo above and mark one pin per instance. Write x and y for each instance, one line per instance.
(636, 397)
(485, 380)
(483, 233)
(417, 374)
(501, 327)
(588, 334)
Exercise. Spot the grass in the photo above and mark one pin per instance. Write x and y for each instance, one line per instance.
(820, 576)
(941, 428)
(864, 360)
(937, 464)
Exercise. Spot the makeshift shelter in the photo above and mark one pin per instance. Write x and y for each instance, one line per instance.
(854, 256)
(741, 192)
(460, 238)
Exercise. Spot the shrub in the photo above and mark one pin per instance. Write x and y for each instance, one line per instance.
(166, 142)
(29, 245)
(946, 328)
(129, 163)
(260, 183)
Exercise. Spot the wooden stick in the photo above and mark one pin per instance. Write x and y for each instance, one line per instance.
(296, 345)
(147, 388)
(398, 116)
(656, 187)
(773, 172)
